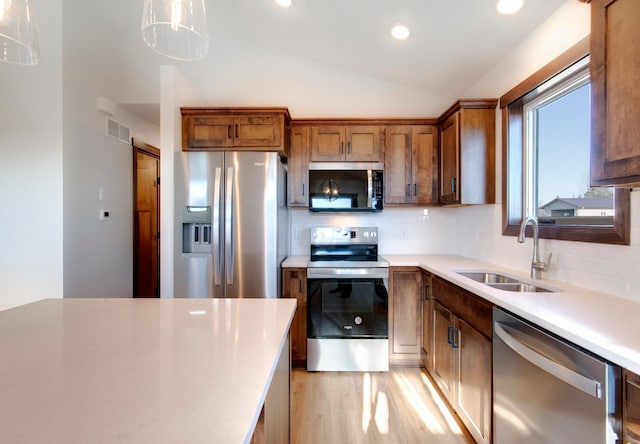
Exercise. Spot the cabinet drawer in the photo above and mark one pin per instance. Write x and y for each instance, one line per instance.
(465, 305)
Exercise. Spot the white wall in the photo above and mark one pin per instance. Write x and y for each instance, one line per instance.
(175, 91)
(31, 169)
(98, 255)
(607, 268)
(54, 157)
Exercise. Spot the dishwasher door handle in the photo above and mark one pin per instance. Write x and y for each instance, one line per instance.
(587, 385)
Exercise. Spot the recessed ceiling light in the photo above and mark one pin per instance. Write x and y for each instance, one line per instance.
(400, 32)
(509, 6)
(284, 3)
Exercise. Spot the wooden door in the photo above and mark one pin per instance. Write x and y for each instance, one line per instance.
(327, 143)
(407, 310)
(397, 165)
(206, 132)
(295, 286)
(450, 159)
(615, 96)
(473, 383)
(146, 254)
(298, 173)
(363, 143)
(424, 163)
(443, 370)
(257, 131)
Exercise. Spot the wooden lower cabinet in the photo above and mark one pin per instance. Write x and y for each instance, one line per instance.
(631, 408)
(405, 315)
(462, 355)
(426, 353)
(294, 285)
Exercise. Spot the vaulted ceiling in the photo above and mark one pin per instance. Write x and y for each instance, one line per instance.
(453, 44)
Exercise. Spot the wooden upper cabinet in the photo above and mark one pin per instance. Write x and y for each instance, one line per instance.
(411, 165)
(257, 129)
(354, 143)
(298, 174)
(615, 95)
(467, 152)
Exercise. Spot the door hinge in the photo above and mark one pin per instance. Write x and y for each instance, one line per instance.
(158, 235)
(158, 180)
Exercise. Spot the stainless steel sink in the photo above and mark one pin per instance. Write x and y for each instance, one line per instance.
(520, 286)
(502, 282)
(486, 277)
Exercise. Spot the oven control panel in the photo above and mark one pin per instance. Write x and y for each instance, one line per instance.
(344, 235)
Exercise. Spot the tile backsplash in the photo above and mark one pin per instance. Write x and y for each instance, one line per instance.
(401, 231)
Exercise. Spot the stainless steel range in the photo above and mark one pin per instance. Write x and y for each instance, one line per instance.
(347, 301)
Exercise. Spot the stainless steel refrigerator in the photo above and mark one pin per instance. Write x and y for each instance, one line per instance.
(231, 226)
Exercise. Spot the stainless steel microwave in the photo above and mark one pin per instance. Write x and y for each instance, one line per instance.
(346, 186)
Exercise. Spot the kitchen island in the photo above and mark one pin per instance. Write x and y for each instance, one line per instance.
(141, 370)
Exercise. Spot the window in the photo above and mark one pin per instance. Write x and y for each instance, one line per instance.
(546, 145)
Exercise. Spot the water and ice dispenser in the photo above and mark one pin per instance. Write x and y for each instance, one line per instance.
(196, 229)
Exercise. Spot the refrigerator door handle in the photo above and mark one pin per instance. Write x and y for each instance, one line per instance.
(217, 251)
(229, 253)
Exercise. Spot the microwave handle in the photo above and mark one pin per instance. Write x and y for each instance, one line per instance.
(369, 188)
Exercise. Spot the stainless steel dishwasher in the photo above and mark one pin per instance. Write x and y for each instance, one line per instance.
(549, 391)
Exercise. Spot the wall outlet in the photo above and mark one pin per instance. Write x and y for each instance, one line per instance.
(403, 233)
(105, 215)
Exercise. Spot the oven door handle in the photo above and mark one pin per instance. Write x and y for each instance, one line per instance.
(346, 273)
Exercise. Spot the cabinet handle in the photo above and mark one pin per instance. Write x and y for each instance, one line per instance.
(453, 184)
(425, 292)
(341, 147)
(449, 334)
(349, 147)
(408, 189)
(303, 189)
(236, 130)
(454, 343)
(229, 131)
(300, 286)
(415, 189)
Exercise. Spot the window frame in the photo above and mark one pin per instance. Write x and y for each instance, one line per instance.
(513, 127)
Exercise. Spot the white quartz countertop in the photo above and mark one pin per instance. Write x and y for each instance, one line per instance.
(138, 370)
(604, 324)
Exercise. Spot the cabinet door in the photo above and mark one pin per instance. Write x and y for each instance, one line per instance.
(450, 159)
(424, 163)
(207, 132)
(427, 322)
(363, 143)
(298, 173)
(443, 370)
(397, 165)
(295, 286)
(631, 408)
(327, 143)
(407, 295)
(473, 383)
(615, 96)
(258, 131)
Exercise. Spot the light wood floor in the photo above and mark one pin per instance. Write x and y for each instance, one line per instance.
(401, 406)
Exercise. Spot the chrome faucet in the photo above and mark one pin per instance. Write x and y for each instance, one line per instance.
(537, 266)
